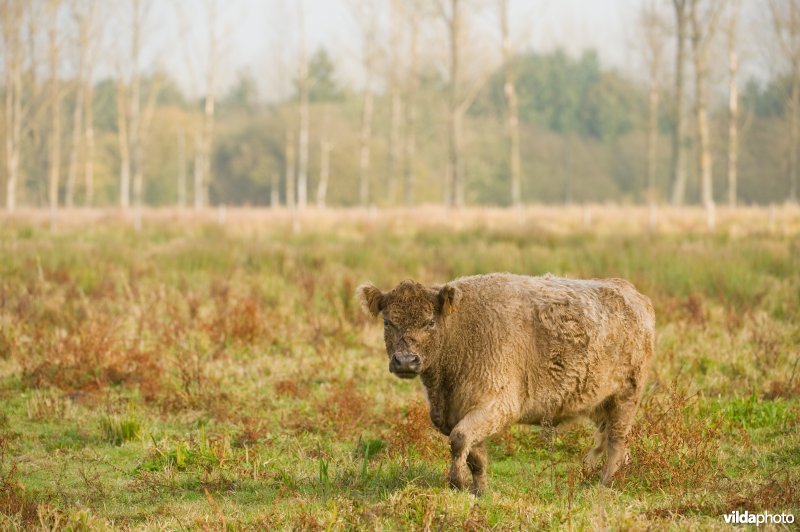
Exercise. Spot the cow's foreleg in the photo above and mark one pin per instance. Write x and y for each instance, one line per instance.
(468, 434)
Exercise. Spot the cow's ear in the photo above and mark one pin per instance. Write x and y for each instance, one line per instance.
(448, 299)
(372, 300)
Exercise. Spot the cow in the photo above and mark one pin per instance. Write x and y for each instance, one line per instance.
(498, 349)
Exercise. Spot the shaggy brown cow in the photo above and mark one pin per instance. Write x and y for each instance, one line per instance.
(498, 349)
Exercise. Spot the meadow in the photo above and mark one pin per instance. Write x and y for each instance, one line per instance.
(216, 372)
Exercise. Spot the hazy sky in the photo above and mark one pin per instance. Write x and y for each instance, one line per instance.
(258, 32)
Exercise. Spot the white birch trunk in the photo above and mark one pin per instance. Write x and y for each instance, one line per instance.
(679, 132)
(181, 169)
(410, 143)
(124, 147)
(303, 141)
(324, 173)
(54, 158)
(510, 91)
(733, 107)
(365, 142)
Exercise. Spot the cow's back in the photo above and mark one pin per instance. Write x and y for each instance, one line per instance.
(558, 344)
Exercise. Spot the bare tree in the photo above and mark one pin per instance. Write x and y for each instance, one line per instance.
(324, 172)
(367, 18)
(54, 156)
(411, 89)
(786, 21)
(189, 59)
(365, 141)
(89, 141)
(203, 138)
(210, 99)
(207, 136)
(289, 169)
(33, 110)
(81, 13)
(459, 101)
(274, 192)
(124, 145)
(88, 88)
(512, 111)
(733, 101)
(412, 13)
(454, 176)
(197, 172)
(134, 137)
(395, 99)
(303, 86)
(181, 168)
(703, 15)
(679, 124)
(654, 36)
(11, 16)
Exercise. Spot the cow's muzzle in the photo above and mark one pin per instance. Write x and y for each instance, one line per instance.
(405, 365)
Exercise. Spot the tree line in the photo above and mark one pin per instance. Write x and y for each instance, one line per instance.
(447, 111)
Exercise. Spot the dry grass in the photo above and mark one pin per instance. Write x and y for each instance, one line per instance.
(196, 374)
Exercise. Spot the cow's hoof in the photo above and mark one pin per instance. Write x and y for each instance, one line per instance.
(607, 479)
(458, 478)
(478, 486)
(592, 459)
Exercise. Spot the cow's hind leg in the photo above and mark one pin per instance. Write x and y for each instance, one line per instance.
(477, 461)
(592, 458)
(620, 419)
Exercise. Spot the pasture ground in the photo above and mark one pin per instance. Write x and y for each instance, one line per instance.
(216, 372)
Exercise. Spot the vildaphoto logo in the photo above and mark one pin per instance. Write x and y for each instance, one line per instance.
(763, 518)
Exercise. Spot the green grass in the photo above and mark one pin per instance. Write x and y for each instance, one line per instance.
(213, 378)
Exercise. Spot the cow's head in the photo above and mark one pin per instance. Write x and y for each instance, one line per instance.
(414, 320)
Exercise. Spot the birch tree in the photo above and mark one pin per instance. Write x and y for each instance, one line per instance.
(366, 17)
(453, 192)
(411, 89)
(324, 172)
(124, 145)
(451, 12)
(33, 108)
(512, 111)
(654, 36)
(134, 136)
(203, 137)
(703, 16)
(365, 141)
(209, 105)
(181, 168)
(92, 38)
(81, 14)
(11, 17)
(54, 144)
(395, 101)
(679, 124)
(785, 16)
(274, 192)
(303, 90)
(289, 168)
(88, 170)
(733, 101)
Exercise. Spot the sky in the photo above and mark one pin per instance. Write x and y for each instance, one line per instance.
(256, 34)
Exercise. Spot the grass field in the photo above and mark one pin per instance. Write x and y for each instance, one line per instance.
(199, 375)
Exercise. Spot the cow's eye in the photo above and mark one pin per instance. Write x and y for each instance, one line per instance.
(388, 324)
(428, 325)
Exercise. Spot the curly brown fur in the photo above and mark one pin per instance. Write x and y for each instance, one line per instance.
(498, 349)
